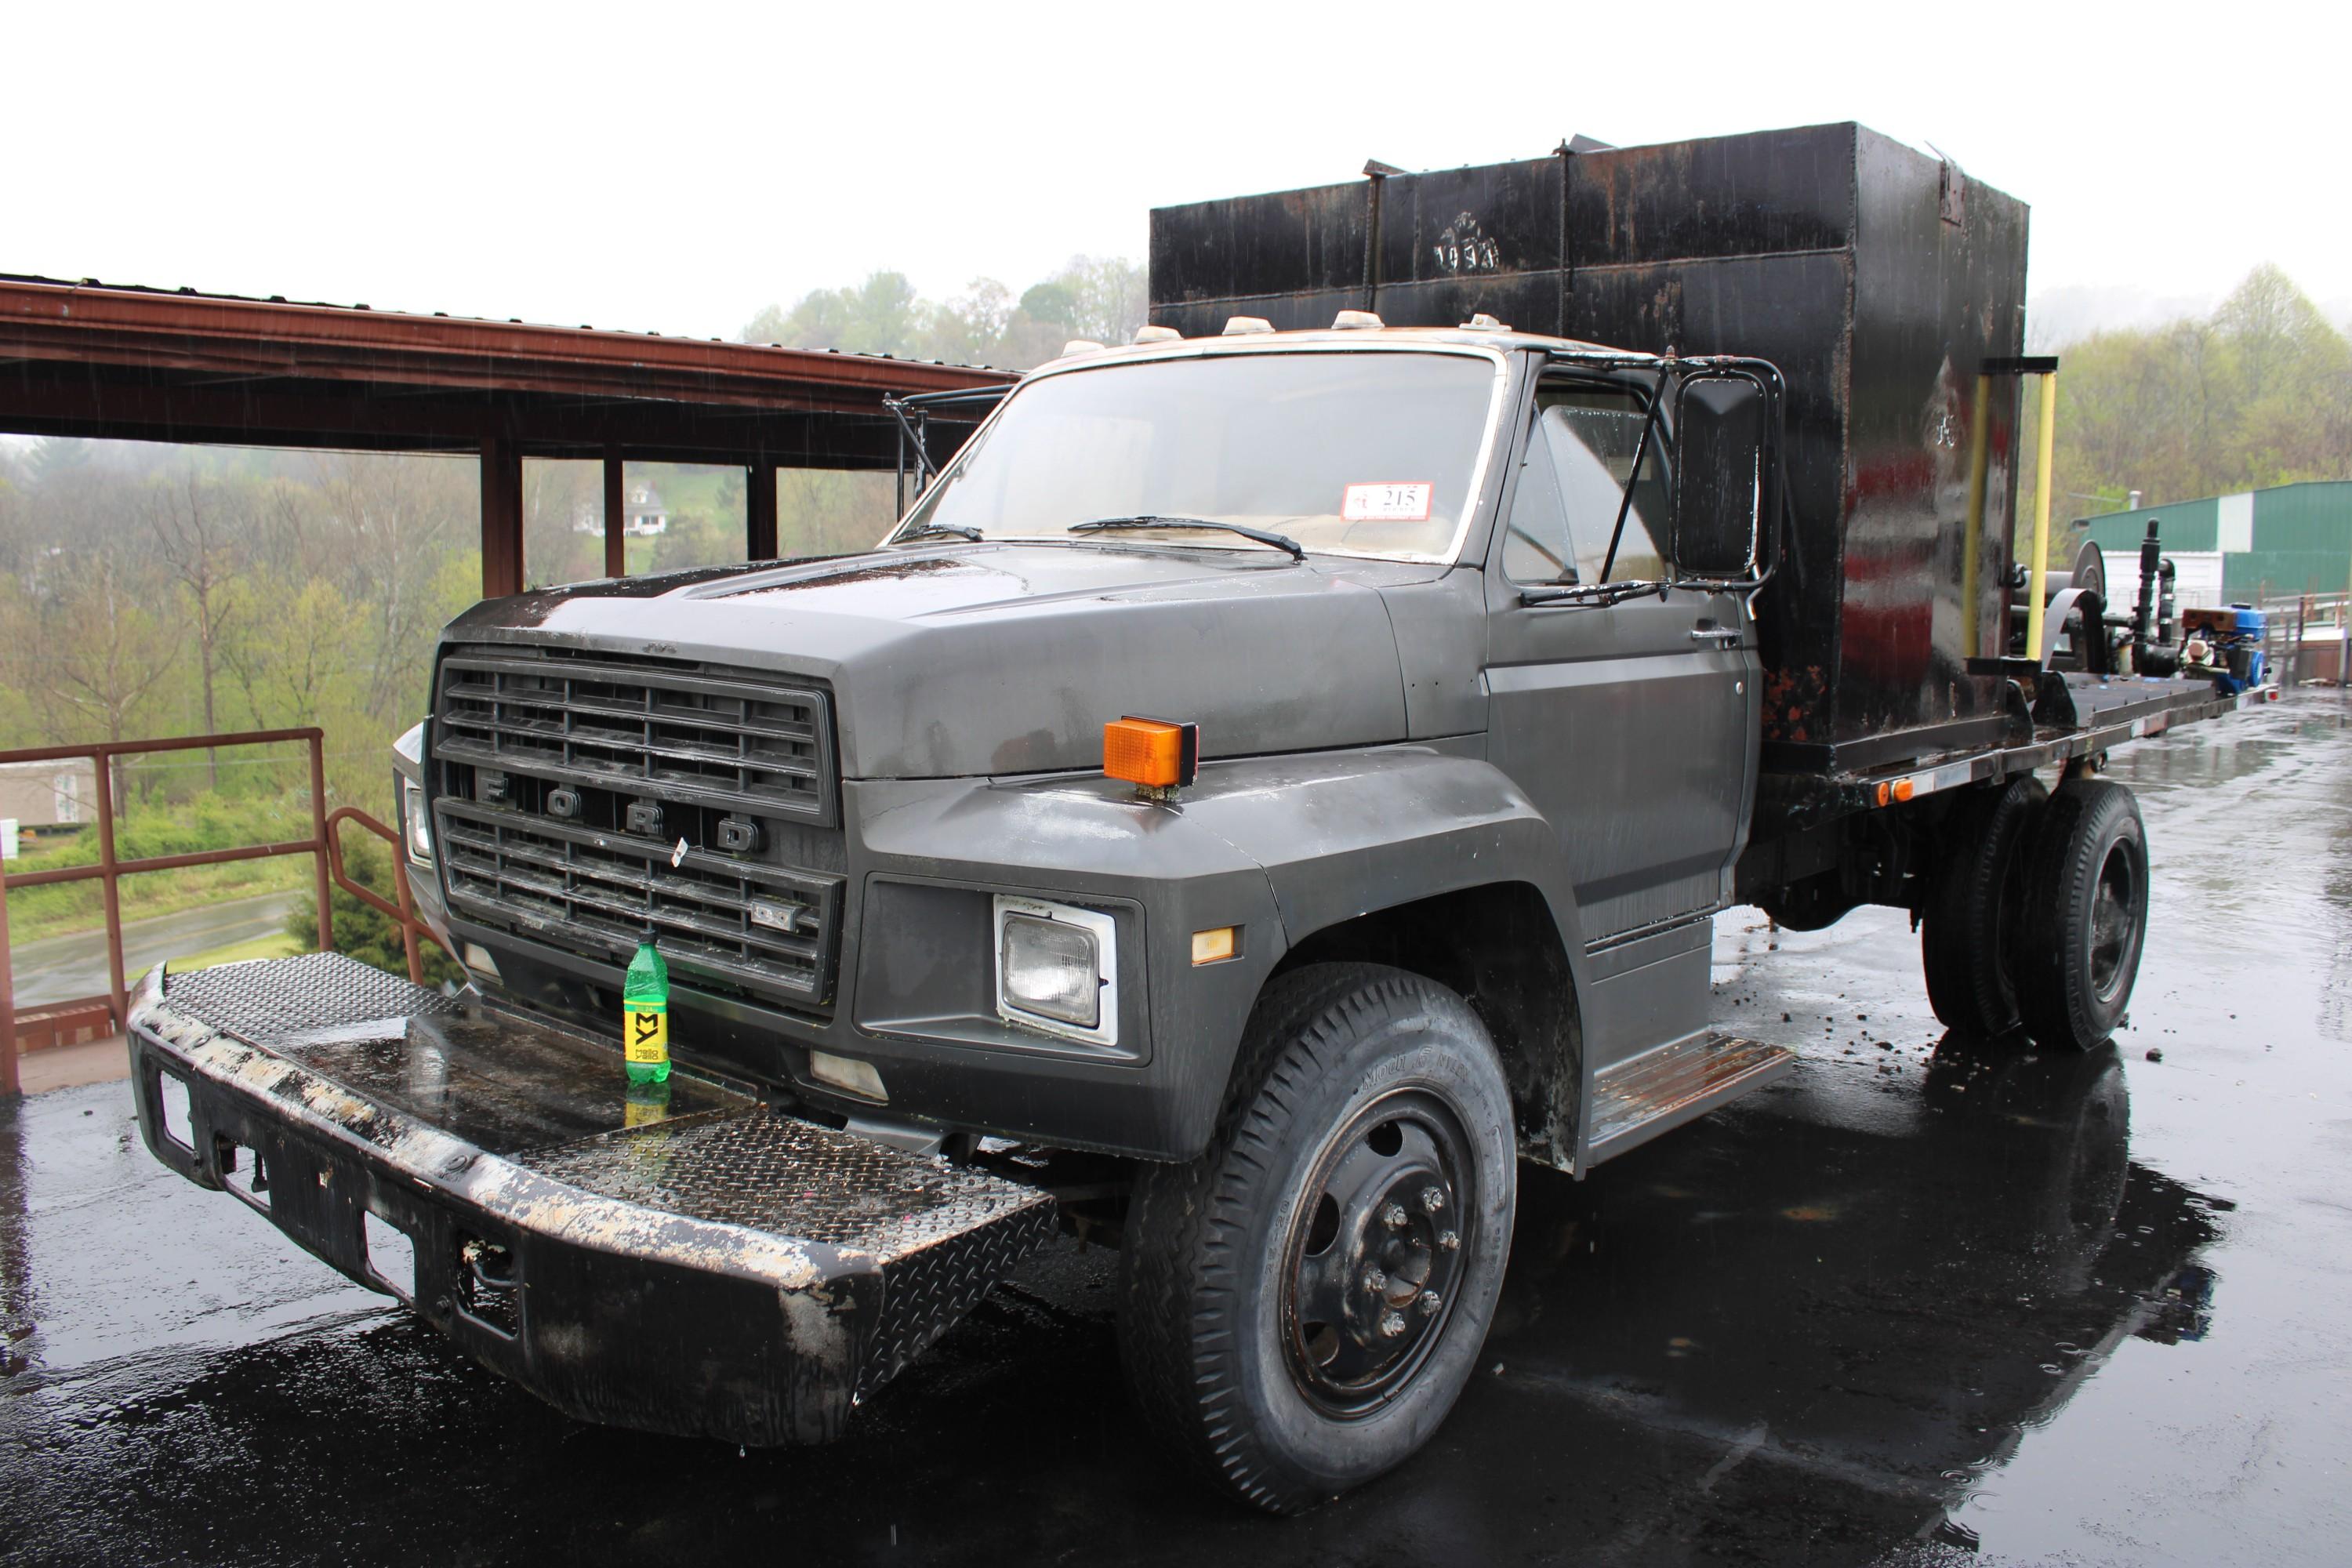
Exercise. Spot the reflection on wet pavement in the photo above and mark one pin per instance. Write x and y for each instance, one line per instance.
(1926, 1301)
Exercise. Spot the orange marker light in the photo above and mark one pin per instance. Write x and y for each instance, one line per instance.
(1153, 753)
(1214, 946)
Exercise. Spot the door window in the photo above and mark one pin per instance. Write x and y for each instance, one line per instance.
(1564, 515)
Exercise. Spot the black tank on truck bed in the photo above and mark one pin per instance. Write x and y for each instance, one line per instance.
(1268, 784)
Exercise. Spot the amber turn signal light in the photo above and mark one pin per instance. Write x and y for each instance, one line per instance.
(1215, 946)
(1153, 753)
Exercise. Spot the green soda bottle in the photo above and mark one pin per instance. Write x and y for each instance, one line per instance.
(645, 1015)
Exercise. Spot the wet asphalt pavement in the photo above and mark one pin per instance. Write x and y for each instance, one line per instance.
(1914, 1305)
(62, 968)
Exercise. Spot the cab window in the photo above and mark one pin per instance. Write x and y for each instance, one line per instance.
(1578, 455)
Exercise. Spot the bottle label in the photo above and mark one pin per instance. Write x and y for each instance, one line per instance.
(644, 1028)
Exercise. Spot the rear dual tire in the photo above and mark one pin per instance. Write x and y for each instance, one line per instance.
(2086, 915)
(1967, 934)
(2039, 914)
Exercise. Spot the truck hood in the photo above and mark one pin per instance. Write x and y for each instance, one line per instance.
(992, 659)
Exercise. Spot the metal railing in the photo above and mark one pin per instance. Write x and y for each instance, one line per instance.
(109, 1010)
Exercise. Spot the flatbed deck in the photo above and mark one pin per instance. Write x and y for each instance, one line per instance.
(2108, 711)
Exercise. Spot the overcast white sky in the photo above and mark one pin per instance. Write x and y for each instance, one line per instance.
(675, 166)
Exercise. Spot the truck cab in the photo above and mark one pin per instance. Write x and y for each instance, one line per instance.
(1412, 595)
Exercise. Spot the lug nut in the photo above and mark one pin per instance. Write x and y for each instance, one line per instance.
(1393, 1216)
(1391, 1324)
(1430, 1303)
(1375, 1282)
(1448, 1240)
(1431, 1199)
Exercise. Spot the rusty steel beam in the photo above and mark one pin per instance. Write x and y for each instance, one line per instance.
(502, 569)
(760, 510)
(58, 400)
(405, 913)
(116, 993)
(93, 324)
(616, 546)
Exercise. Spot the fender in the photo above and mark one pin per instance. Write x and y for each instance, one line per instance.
(1284, 846)
(1343, 834)
(1347, 834)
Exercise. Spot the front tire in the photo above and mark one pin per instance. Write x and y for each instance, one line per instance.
(1302, 1304)
(2086, 915)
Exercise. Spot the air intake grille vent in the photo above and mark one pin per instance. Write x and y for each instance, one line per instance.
(762, 928)
(581, 799)
(679, 734)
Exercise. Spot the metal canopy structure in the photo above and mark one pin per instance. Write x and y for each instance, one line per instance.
(91, 360)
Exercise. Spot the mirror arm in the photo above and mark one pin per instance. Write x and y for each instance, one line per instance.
(1633, 474)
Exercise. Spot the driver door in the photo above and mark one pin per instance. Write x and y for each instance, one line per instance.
(1630, 725)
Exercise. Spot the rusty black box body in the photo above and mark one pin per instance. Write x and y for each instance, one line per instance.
(1879, 278)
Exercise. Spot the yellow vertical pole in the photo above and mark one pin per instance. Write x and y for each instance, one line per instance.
(2039, 573)
(1971, 611)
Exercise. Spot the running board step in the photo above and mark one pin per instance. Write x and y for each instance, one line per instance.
(1636, 1099)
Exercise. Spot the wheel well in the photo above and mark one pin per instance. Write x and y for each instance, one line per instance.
(1499, 949)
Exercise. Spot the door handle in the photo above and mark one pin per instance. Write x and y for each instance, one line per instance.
(1722, 636)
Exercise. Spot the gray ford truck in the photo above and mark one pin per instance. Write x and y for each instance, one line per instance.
(1270, 782)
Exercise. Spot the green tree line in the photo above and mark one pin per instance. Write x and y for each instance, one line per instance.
(2258, 393)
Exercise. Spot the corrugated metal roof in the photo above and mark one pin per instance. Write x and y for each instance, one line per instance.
(186, 292)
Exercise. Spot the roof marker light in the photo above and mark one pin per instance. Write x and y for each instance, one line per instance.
(1080, 346)
(1356, 322)
(1158, 335)
(1483, 322)
(1242, 326)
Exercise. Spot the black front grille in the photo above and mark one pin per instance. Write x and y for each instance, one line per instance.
(764, 928)
(583, 799)
(671, 733)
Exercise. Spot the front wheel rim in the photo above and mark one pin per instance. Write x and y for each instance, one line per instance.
(1375, 1260)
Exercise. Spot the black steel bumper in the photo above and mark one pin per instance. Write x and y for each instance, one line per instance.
(704, 1266)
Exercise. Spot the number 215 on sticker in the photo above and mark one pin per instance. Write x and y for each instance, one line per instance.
(1395, 501)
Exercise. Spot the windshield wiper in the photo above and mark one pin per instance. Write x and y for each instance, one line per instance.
(956, 528)
(1114, 524)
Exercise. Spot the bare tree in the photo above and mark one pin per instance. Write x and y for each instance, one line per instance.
(198, 536)
(100, 652)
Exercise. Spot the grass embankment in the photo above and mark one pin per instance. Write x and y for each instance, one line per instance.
(208, 822)
(277, 944)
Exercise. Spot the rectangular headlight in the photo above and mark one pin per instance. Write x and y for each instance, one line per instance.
(1057, 969)
(416, 828)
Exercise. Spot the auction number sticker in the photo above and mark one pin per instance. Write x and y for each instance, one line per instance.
(1395, 501)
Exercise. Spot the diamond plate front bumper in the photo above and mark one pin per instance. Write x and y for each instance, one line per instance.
(703, 1265)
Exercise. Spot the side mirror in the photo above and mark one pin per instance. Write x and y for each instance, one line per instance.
(1718, 489)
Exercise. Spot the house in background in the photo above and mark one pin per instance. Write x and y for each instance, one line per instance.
(49, 795)
(644, 515)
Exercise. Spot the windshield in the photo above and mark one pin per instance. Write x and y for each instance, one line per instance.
(1354, 453)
